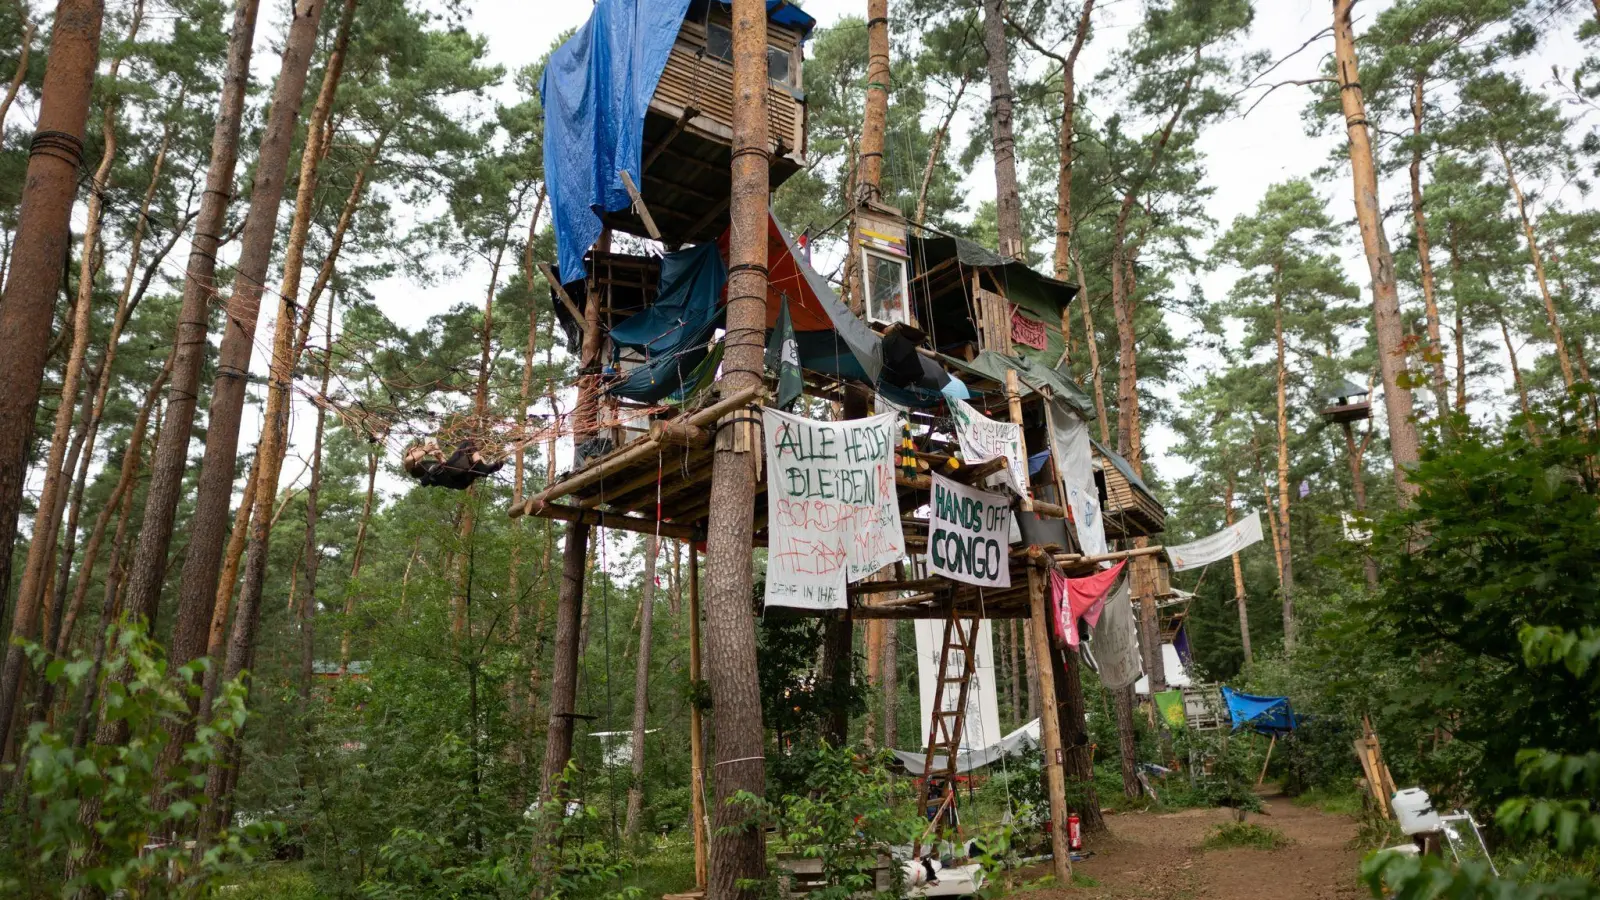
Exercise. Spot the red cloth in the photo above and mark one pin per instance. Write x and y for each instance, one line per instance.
(1075, 598)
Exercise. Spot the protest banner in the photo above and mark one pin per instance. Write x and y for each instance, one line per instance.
(1213, 547)
(832, 513)
(982, 439)
(969, 534)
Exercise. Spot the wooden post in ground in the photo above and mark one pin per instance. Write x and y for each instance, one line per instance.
(1049, 721)
(697, 748)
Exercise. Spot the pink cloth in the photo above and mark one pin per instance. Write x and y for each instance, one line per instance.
(1075, 598)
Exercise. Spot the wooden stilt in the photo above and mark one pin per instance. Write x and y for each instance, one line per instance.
(1049, 725)
(1014, 400)
(1268, 762)
(697, 750)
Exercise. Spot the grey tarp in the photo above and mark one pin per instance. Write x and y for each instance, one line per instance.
(1069, 444)
(1116, 641)
(1019, 741)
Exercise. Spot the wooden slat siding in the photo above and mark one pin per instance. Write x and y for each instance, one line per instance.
(707, 84)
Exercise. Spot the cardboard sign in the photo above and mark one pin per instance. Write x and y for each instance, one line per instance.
(969, 534)
(983, 439)
(832, 513)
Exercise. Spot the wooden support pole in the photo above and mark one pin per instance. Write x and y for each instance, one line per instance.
(638, 203)
(697, 749)
(1268, 762)
(561, 292)
(635, 524)
(1049, 724)
(1014, 402)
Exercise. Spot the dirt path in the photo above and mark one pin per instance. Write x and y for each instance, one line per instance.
(1158, 856)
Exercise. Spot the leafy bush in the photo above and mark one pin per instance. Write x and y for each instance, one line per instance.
(1230, 770)
(1244, 834)
(87, 819)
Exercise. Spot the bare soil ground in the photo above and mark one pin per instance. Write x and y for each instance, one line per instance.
(1158, 856)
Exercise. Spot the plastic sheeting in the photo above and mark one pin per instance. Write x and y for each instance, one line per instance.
(596, 90)
(1177, 674)
(1269, 715)
(675, 331)
(1021, 740)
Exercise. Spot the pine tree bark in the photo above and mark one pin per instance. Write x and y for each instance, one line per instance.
(875, 120)
(147, 572)
(1461, 332)
(1286, 558)
(28, 29)
(1516, 378)
(939, 136)
(1064, 140)
(1127, 741)
(738, 854)
(1071, 712)
(1002, 139)
(1551, 316)
(26, 306)
(227, 405)
(1355, 451)
(313, 552)
(1238, 575)
(1097, 378)
(1404, 444)
(838, 656)
(1419, 218)
(202, 564)
(641, 686)
(891, 684)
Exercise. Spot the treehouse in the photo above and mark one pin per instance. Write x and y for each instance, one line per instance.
(639, 120)
(1131, 508)
(972, 300)
(1345, 403)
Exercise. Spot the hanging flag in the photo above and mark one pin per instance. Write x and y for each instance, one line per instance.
(783, 358)
(1080, 598)
(1213, 547)
(1305, 489)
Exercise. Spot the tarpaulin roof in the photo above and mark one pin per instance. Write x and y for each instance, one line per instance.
(674, 332)
(1022, 739)
(1036, 296)
(1265, 714)
(992, 366)
(1122, 466)
(781, 12)
(596, 90)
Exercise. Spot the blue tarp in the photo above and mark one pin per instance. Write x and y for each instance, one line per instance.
(675, 330)
(596, 89)
(781, 12)
(1269, 715)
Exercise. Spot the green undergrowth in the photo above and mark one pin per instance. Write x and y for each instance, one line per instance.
(1332, 800)
(1244, 835)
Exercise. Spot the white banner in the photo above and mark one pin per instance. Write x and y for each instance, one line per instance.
(983, 439)
(969, 534)
(1213, 547)
(982, 721)
(832, 513)
(1086, 519)
(1069, 443)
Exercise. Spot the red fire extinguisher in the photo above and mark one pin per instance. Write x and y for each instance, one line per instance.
(1074, 833)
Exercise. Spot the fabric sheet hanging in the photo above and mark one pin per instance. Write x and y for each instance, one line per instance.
(1116, 641)
(833, 516)
(1080, 598)
(983, 439)
(1070, 442)
(1220, 545)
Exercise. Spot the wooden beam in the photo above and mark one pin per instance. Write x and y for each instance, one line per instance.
(561, 293)
(635, 524)
(688, 113)
(639, 205)
(623, 457)
(1109, 557)
(888, 587)
(1049, 719)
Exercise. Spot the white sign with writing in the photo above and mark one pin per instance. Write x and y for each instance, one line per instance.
(981, 725)
(832, 513)
(983, 439)
(969, 534)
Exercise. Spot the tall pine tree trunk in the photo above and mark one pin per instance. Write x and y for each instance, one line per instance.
(227, 405)
(1389, 329)
(1419, 218)
(1238, 575)
(1516, 378)
(1002, 140)
(170, 464)
(27, 304)
(1286, 558)
(1551, 316)
(28, 29)
(1356, 451)
(312, 552)
(738, 854)
(641, 686)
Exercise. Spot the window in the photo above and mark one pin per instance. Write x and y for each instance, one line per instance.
(719, 45)
(885, 288)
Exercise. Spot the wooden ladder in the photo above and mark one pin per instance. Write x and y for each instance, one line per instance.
(944, 731)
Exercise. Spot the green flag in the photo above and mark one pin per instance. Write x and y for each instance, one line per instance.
(783, 358)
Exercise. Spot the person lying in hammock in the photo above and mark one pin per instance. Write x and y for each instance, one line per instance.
(426, 462)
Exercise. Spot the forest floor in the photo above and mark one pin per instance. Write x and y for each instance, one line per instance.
(1163, 856)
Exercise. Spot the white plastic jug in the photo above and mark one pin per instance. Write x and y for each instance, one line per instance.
(1414, 811)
